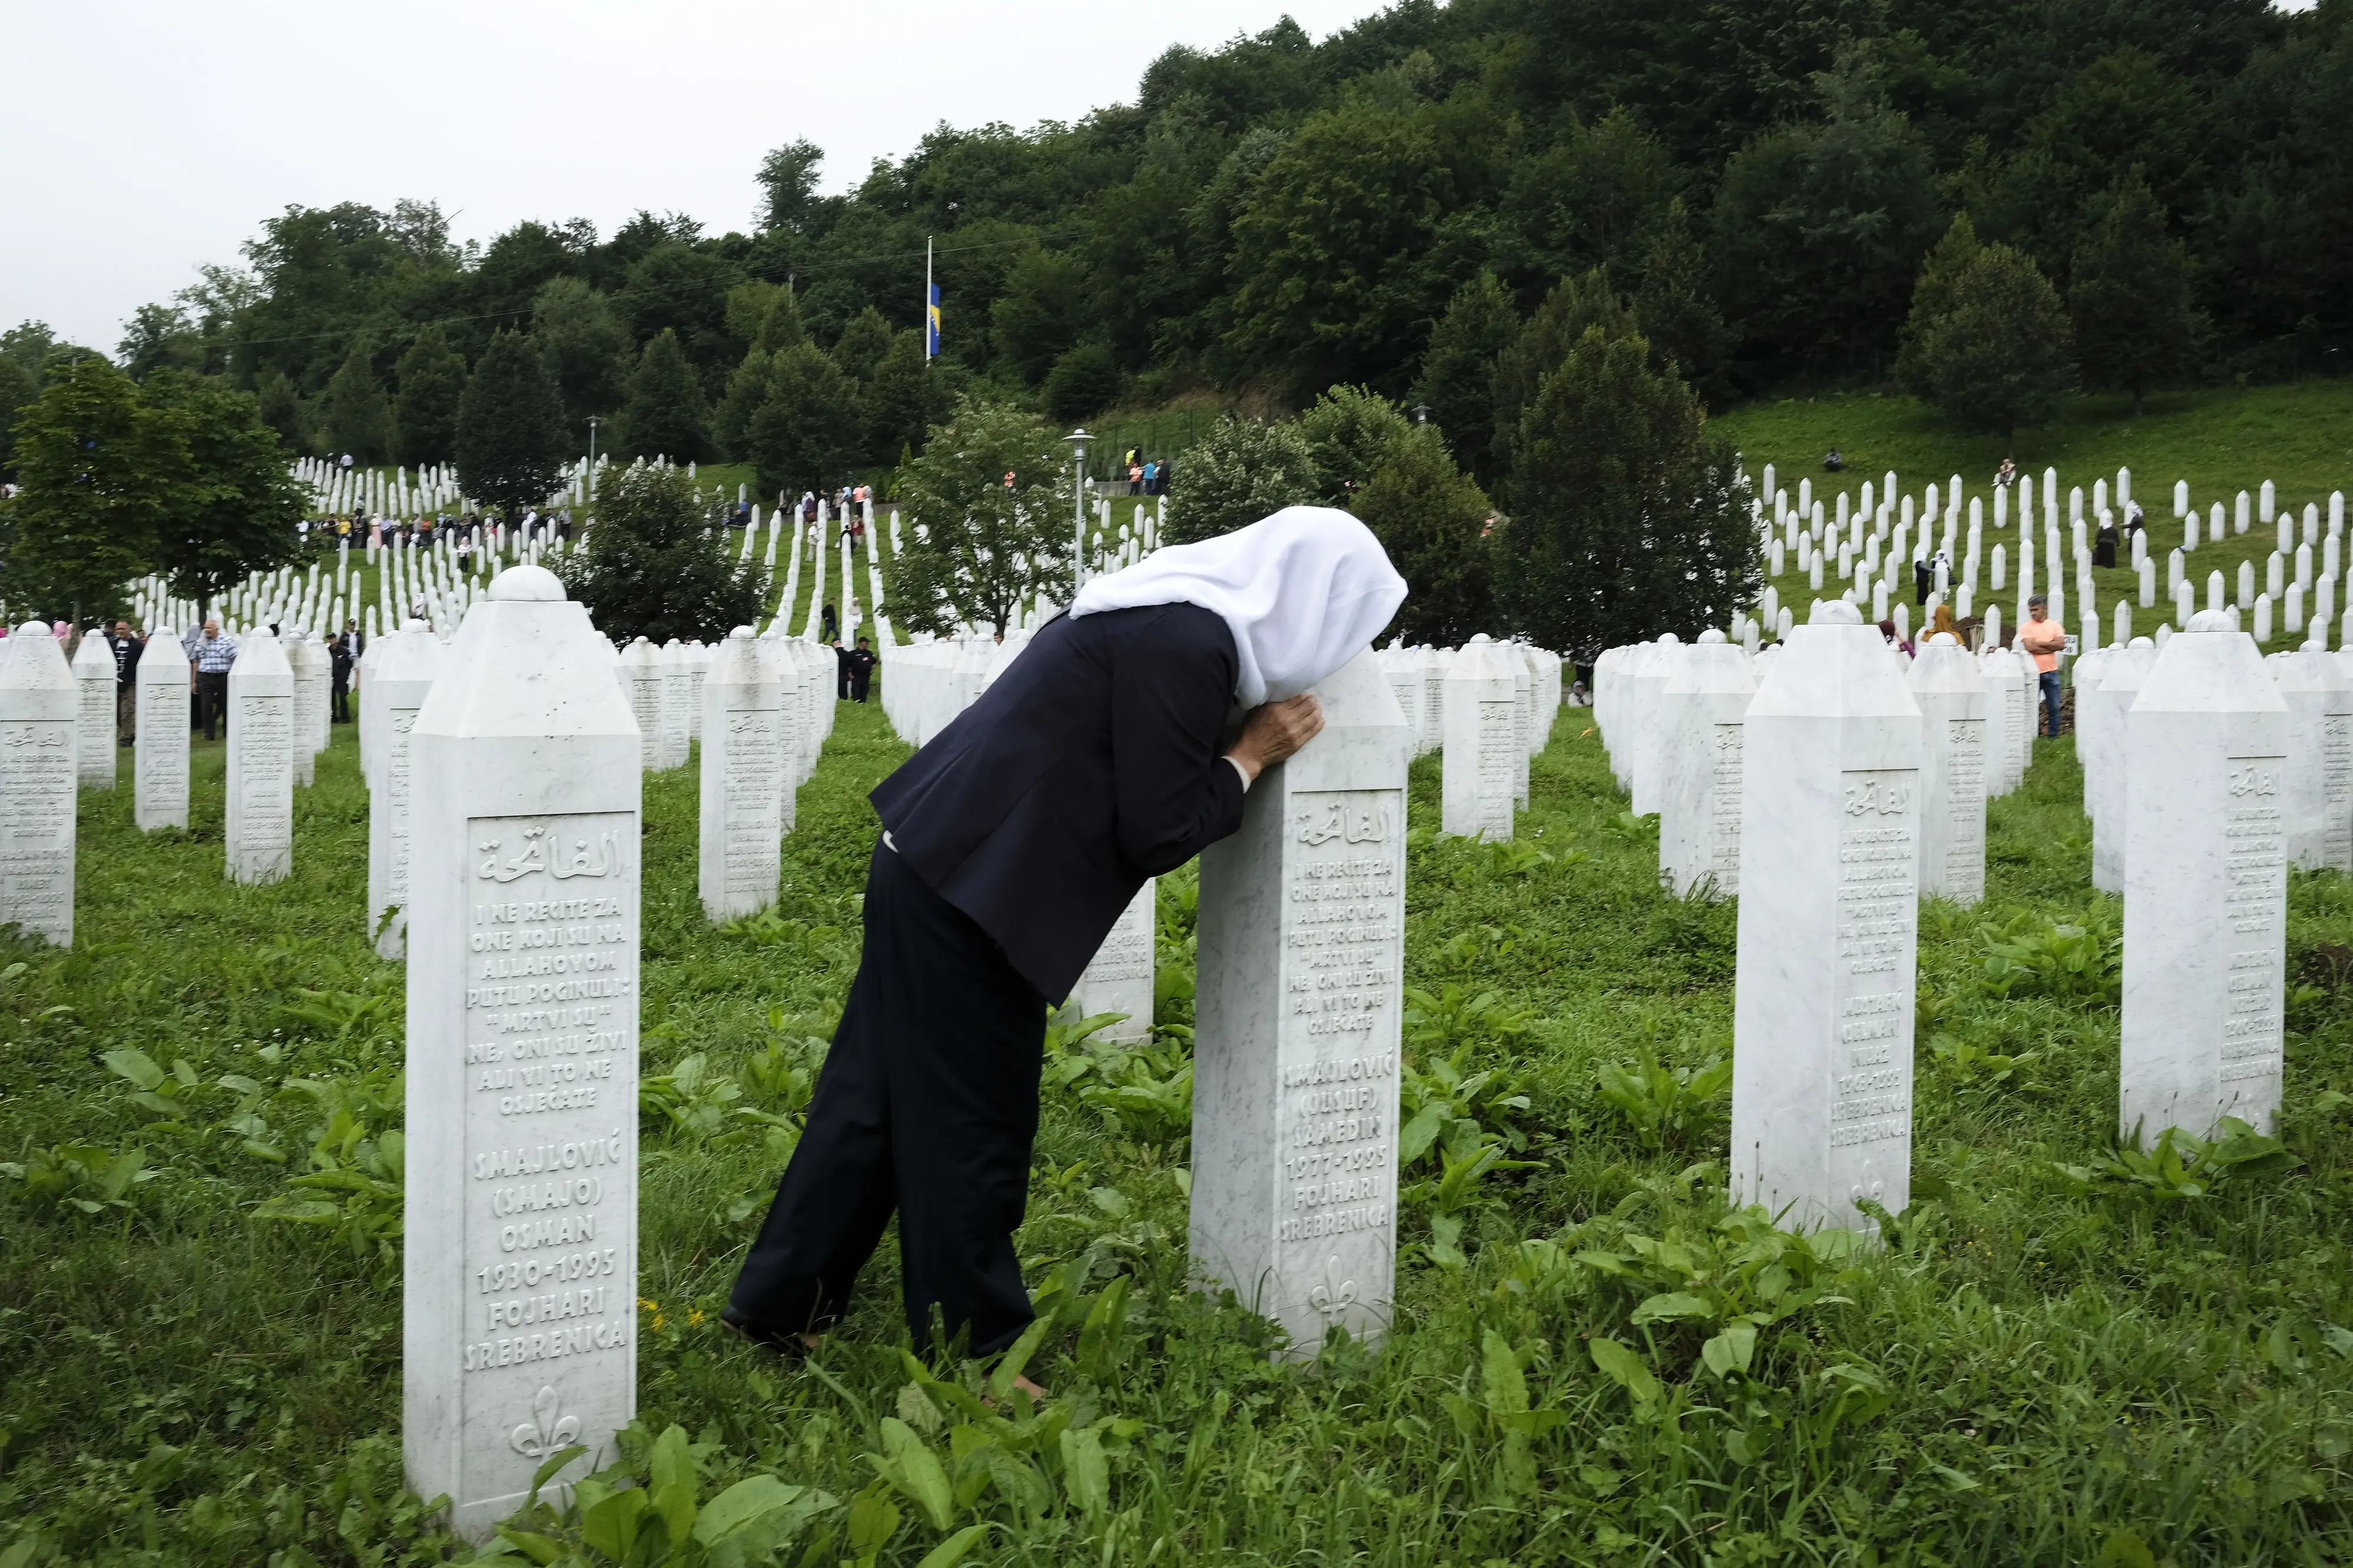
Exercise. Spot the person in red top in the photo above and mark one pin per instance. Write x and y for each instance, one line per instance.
(2044, 638)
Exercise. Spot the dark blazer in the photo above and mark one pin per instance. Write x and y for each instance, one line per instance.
(1092, 762)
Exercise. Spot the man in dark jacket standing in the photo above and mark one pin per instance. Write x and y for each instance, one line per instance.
(126, 649)
(1010, 846)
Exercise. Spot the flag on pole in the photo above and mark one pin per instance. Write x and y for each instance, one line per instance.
(932, 325)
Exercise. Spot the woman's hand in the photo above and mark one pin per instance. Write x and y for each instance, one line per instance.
(1273, 732)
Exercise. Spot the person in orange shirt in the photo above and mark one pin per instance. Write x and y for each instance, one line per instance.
(2044, 638)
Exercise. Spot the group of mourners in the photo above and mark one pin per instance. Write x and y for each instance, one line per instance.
(211, 653)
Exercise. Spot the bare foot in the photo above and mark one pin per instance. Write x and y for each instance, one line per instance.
(1036, 1394)
(810, 1342)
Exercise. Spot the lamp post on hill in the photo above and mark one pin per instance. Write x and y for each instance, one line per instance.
(1078, 439)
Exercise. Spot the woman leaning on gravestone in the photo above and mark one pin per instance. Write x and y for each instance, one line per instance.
(1011, 844)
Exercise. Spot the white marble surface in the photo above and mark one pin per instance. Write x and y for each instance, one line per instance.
(2320, 758)
(39, 712)
(1946, 683)
(1639, 718)
(159, 755)
(641, 676)
(408, 663)
(519, 1302)
(1482, 743)
(1699, 808)
(2108, 799)
(1118, 979)
(742, 761)
(2205, 888)
(94, 746)
(258, 785)
(1829, 925)
(307, 661)
(1523, 718)
(1295, 1087)
(675, 706)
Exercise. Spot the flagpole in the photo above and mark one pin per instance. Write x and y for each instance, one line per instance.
(928, 335)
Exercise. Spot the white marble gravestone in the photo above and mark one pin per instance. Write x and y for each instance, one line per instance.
(2320, 758)
(519, 1305)
(1118, 979)
(1951, 693)
(39, 704)
(1823, 1002)
(640, 672)
(1699, 809)
(677, 704)
(308, 661)
(1295, 1088)
(94, 748)
(1483, 743)
(2205, 887)
(408, 663)
(1523, 713)
(742, 757)
(1641, 717)
(159, 756)
(258, 827)
(2120, 682)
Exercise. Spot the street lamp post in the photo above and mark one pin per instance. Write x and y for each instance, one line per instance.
(1078, 439)
(592, 456)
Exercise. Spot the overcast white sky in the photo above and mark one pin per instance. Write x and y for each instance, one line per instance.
(140, 137)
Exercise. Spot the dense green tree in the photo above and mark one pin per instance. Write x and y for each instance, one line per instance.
(659, 565)
(96, 466)
(988, 506)
(1083, 382)
(1457, 382)
(19, 388)
(432, 384)
(1933, 294)
(1676, 302)
(1581, 204)
(804, 434)
(157, 336)
(1628, 519)
(1350, 433)
(230, 508)
(1335, 257)
(1574, 308)
(2130, 295)
(665, 414)
(788, 183)
(354, 416)
(1238, 472)
(1041, 313)
(2002, 353)
(683, 289)
(581, 341)
(511, 442)
(863, 343)
(763, 315)
(283, 407)
(1432, 518)
(902, 400)
(747, 388)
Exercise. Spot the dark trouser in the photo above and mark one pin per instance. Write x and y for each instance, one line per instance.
(126, 712)
(212, 692)
(858, 687)
(2050, 678)
(928, 1104)
(341, 711)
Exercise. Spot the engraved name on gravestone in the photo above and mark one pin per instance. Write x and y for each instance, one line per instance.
(1946, 682)
(743, 753)
(94, 748)
(1295, 1092)
(1699, 835)
(39, 712)
(259, 822)
(1118, 979)
(159, 756)
(1483, 727)
(520, 1273)
(407, 664)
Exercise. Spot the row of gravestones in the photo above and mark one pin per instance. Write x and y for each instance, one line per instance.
(1832, 786)
(58, 729)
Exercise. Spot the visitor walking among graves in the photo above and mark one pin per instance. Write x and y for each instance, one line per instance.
(860, 662)
(213, 653)
(2044, 639)
(126, 649)
(1013, 842)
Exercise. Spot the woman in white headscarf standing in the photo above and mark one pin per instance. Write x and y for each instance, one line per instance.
(1115, 747)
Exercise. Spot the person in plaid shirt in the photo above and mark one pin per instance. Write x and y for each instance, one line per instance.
(212, 654)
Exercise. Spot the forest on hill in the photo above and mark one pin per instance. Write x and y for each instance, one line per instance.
(1760, 187)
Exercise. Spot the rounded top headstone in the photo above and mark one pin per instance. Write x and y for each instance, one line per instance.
(2211, 621)
(1480, 638)
(1712, 635)
(413, 624)
(1835, 612)
(1944, 639)
(744, 633)
(2140, 642)
(1669, 640)
(533, 584)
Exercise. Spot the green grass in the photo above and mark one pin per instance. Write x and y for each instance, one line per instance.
(2223, 441)
(2039, 1368)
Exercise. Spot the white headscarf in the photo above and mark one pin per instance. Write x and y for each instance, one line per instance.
(1304, 592)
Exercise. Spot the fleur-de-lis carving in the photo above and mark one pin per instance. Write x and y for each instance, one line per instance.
(1334, 1296)
(548, 1430)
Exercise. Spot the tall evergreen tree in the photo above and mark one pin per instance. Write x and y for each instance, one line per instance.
(432, 384)
(1458, 368)
(1628, 518)
(1675, 303)
(804, 434)
(2129, 294)
(1432, 518)
(1575, 306)
(747, 388)
(665, 412)
(900, 404)
(356, 416)
(231, 507)
(659, 565)
(863, 343)
(584, 343)
(511, 442)
(2002, 353)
